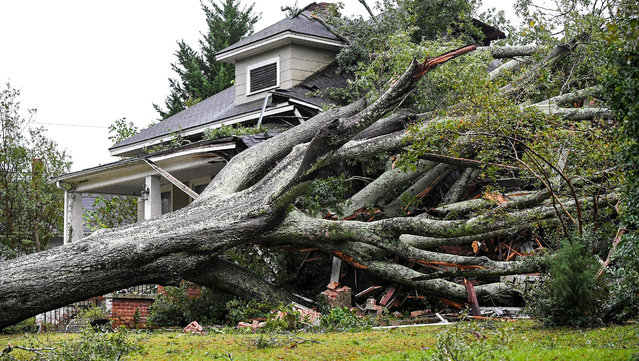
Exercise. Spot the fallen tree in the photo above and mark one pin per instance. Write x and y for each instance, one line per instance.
(252, 201)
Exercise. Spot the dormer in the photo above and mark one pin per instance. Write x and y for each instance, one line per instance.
(280, 56)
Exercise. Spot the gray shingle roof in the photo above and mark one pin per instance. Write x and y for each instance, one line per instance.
(302, 24)
(217, 107)
(326, 78)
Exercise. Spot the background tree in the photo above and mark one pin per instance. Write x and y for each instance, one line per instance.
(200, 75)
(31, 208)
(110, 211)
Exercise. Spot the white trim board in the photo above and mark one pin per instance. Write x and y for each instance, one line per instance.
(273, 42)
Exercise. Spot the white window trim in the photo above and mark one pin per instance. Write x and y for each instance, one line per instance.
(275, 60)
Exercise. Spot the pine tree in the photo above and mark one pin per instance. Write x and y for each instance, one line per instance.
(200, 75)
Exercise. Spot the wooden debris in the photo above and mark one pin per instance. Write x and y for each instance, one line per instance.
(367, 291)
(387, 295)
(472, 298)
(420, 313)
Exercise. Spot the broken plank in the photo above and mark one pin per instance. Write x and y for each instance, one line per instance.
(183, 187)
(388, 295)
(472, 298)
(367, 291)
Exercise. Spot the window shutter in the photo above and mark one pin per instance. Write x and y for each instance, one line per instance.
(263, 77)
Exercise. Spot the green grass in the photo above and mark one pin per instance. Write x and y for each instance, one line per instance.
(522, 340)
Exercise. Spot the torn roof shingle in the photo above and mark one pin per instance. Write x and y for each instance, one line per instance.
(301, 24)
(326, 78)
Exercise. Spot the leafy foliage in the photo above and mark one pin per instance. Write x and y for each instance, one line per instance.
(200, 75)
(30, 207)
(230, 130)
(111, 212)
(121, 130)
(324, 195)
(471, 341)
(621, 81)
(177, 308)
(342, 319)
(91, 345)
(419, 20)
(241, 310)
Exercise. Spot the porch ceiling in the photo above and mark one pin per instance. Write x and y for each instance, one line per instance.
(126, 177)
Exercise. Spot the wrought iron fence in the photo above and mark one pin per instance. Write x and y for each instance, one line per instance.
(139, 290)
(59, 318)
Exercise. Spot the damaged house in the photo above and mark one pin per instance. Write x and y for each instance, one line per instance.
(276, 72)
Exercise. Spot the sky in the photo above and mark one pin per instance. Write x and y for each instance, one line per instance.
(85, 63)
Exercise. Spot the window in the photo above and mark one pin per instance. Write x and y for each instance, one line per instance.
(165, 198)
(263, 76)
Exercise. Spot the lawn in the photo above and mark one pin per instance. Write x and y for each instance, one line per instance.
(521, 340)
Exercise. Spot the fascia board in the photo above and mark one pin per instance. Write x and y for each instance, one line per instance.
(276, 40)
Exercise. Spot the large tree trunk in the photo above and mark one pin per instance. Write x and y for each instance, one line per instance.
(250, 201)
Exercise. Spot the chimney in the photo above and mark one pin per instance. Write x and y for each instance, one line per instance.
(318, 7)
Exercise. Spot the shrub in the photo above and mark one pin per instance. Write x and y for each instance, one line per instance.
(240, 310)
(342, 319)
(27, 325)
(177, 308)
(570, 295)
(624, 281)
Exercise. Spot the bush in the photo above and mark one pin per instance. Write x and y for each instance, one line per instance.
(624, 281)
(570, 295)
(177, 308)
(27, 325)
(240, 310)
(342, 319)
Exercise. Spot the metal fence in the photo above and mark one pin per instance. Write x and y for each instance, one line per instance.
(59, 318)
(139, 290)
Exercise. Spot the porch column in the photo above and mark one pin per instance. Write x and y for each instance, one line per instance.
(153, 203)
(140, 215)
(76, 221)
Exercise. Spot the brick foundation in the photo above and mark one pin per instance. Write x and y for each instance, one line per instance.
(123, 310)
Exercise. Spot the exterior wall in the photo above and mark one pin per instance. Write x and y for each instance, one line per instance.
(304, 62)
(284, 53)
(297, 62)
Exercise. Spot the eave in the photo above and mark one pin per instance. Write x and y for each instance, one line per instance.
(276, 41)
